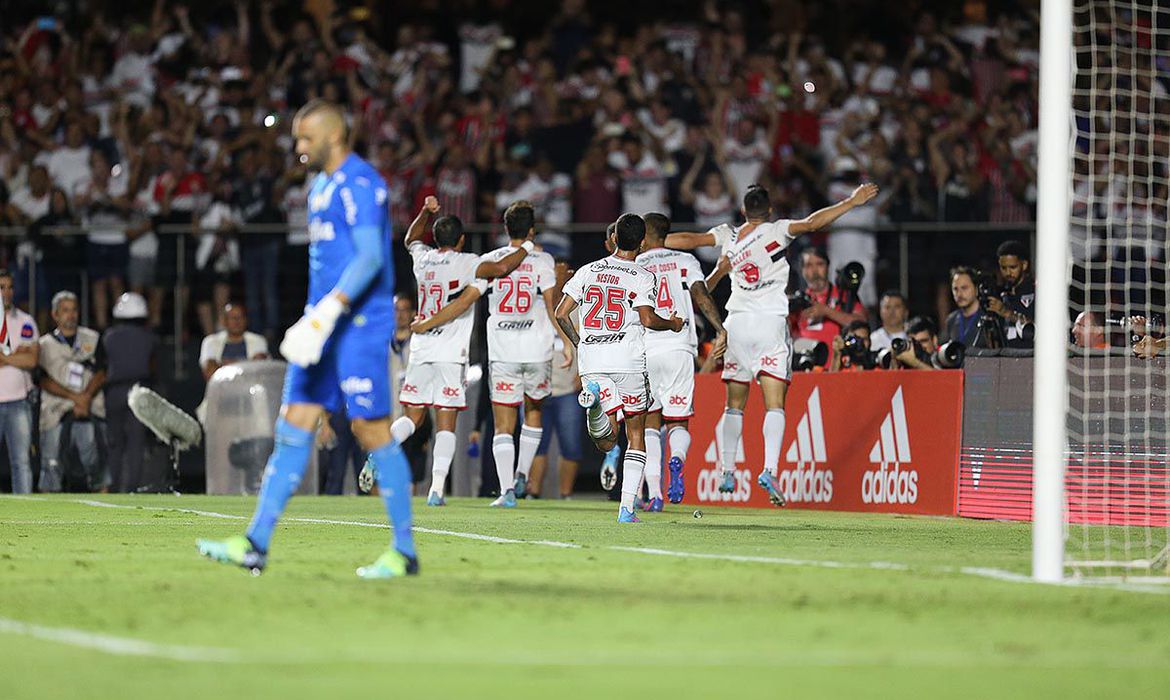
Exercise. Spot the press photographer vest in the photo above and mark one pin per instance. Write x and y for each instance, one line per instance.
(71, 366)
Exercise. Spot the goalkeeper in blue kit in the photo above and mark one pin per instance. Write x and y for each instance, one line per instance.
(339, 350)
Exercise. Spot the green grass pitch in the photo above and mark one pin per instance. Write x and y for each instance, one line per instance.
(99, 602)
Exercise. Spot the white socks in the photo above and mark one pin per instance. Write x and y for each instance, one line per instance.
(529, 442)
(444, 452)
(773, 435)
(402, 429)
(654, 462)
(504, 451)
(597, 422)
(732, 430)
(632, 467)
(679, 442)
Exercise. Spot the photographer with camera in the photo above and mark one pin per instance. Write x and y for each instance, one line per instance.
(971, 324)
(851, 349)
(822, 309)
(1015, 302)
(914, 351)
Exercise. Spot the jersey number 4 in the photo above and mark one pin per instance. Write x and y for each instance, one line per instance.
(517, 294)
(665, 301)
(608, 306)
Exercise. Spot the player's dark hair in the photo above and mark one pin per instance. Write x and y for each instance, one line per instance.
(1013, 248)
(448, 230)
(815, 251)
(657, 226)
(756, 203)
(519, 219)
(631, 231)
(5, 272)
(919, 324)
(893, 294)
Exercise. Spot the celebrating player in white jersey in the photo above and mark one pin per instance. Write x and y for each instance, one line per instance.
(670, 357)
(758, 347)
(437, 371)
(520, 333)
(617, 296)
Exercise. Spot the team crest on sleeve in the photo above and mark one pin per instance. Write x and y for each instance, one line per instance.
(26, 331)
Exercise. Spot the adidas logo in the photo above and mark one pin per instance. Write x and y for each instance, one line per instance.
(890, 483)
(805, 483)
(709, 479)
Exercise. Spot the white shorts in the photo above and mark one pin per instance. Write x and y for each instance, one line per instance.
(672, 383)
(757, 344)
(438, 384)
(628, 392)
(512, 381)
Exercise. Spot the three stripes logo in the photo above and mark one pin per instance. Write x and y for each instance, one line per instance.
(890, 481)
(806, 483)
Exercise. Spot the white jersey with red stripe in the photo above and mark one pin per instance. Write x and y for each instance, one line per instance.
(609, 293)
(675, 272)
(759, 268)
(518, 327)
(442, 276)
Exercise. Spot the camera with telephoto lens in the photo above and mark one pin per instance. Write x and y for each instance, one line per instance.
(807, 360)
(900, 345)
(949, 355)
(849, 277)
(799, 302)
(859, 355)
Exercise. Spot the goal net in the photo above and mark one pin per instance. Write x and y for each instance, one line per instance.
(1116, 480)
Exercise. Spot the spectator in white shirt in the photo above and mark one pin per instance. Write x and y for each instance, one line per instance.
(893, 312)
(19, 353)
(68, 164)
(233, 344)
(643, 177)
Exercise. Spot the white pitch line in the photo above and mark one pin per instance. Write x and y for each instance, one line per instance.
(988, 573)
(120, 646)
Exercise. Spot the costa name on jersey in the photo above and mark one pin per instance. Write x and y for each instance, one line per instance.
(354, 196)
(518, 327)
(759, 268)
(675, 272)
(442, 276)
(608, 292)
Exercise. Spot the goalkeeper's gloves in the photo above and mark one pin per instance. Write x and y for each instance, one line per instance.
(305, 340)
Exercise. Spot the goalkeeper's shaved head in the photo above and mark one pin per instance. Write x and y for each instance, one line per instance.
(320, 132)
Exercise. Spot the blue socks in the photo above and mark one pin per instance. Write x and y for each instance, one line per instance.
(394, 485)
(283, 474)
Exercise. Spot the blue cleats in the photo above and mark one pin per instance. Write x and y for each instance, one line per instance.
(677, 488)
(655, 506)
(768, 482)
(627, 516)
(521, 486)
(436, 499)
(508, 500)
(609, 468)
(590, 394)
(727, 485)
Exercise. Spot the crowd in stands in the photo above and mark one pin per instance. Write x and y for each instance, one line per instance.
(136, 124)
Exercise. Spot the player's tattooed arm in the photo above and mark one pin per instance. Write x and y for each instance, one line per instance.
(471, 294)
(566, 353)
(418, 227)
(564, 319)
(701, 296)
(718, 273)
(823, 218)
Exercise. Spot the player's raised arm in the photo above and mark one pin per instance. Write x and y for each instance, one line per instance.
(823, 218)
(491, 269)
(418, 227)
(466, 299)
(685, 240)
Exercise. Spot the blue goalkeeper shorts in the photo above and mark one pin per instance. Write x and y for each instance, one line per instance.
(355, 364)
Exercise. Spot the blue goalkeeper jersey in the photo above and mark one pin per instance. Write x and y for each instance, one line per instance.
(352, 197)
